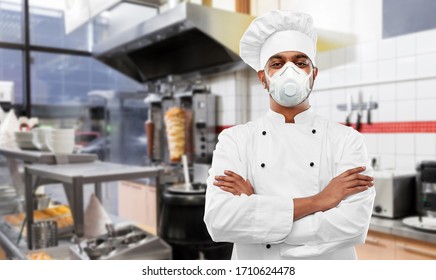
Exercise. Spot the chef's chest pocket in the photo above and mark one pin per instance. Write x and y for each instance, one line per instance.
(286, 162)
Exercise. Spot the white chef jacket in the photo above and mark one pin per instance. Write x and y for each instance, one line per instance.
(284, 161)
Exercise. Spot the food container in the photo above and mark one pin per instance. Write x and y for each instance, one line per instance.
(44, 234)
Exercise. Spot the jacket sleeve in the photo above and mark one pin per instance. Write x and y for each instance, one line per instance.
(243, 219)
(343, 226)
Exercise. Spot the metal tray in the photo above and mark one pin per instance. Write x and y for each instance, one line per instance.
(426, 224)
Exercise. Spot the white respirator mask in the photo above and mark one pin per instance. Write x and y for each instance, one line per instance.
(290, 85)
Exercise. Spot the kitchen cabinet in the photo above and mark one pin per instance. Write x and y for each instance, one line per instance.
(378, 246)
(408, 249)
(138, 202)
(382, 246)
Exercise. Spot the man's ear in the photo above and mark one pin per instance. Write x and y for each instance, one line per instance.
(315, 72)
(262, 79)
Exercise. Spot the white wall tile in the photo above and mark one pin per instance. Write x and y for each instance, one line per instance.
(323, 60)
(425, 144)
(339, 116)
(405, 144)
(352, 73)
(386, 69)
(369, 72)
(369, 51)
(229, 118)
(371, 143)
(353, 54)
(426, 41)
(388, 48)
(426, 89)
(387, 161)
(386, 92)
(426, 64)
(229, 103)
(324, 112)
(387, 143)
(338, 96)
(337, 76)
(406, 90)
(323, 98)
(406, 45)
(322, 80)
(387, 111)
(406, 110)
(406, 67)
(425, 109)
(421, 158)
(337, 58)
(405, 162)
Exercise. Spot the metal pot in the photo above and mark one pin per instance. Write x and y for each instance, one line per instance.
(182, 225)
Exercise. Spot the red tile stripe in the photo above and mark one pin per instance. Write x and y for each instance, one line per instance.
(386, 127)
(399, 127)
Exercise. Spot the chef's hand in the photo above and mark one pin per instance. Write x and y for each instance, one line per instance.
(233, 183)
(348, 183)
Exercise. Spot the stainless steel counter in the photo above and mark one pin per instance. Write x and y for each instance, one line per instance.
(396, 227)
(73, 177)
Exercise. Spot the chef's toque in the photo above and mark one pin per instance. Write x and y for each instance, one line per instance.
(275, 32)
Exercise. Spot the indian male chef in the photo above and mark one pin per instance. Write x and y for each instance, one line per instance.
(290, 185)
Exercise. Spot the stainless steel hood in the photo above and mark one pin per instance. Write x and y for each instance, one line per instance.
(186, 39)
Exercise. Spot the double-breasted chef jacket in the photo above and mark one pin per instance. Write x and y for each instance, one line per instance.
(284, 161)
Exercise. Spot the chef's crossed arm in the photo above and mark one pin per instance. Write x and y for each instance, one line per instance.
(344, 225)
(242, 218)
(315, 221)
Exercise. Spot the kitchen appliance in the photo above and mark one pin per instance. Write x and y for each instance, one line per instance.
(124, 243)
(395, 193)
(200, 107)
(185, 39)
(426, 188)
(182, 225)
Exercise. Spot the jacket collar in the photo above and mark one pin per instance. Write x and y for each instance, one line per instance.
(306, 117)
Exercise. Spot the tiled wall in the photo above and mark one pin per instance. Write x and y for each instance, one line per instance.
(398, 73)
(232, 92)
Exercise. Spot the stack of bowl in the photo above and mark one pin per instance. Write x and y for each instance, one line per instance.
(24, 140)
(40, 138)
(60, 141)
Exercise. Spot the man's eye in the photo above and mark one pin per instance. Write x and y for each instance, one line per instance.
(276, 65)
(301, 64)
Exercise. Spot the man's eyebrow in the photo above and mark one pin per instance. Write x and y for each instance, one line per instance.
(301, 55)
(277, 56)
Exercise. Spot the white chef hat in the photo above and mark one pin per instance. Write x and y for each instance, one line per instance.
(277, 31)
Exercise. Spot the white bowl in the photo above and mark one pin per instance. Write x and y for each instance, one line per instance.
(26, 145)
(23, 135)
(60, 138)
(39, 138)
(62, 131)
(61, 147)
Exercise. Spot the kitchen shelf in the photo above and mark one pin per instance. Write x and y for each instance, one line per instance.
(74, 177)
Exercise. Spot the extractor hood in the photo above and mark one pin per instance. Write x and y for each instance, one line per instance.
(186, 39)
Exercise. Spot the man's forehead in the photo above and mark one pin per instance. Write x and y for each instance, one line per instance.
(289, 55)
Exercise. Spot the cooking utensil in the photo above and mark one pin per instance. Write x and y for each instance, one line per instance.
(45, 234)
(149, 131)
(186, 172)
(359, 112)
(368, 116)
(349, 110)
